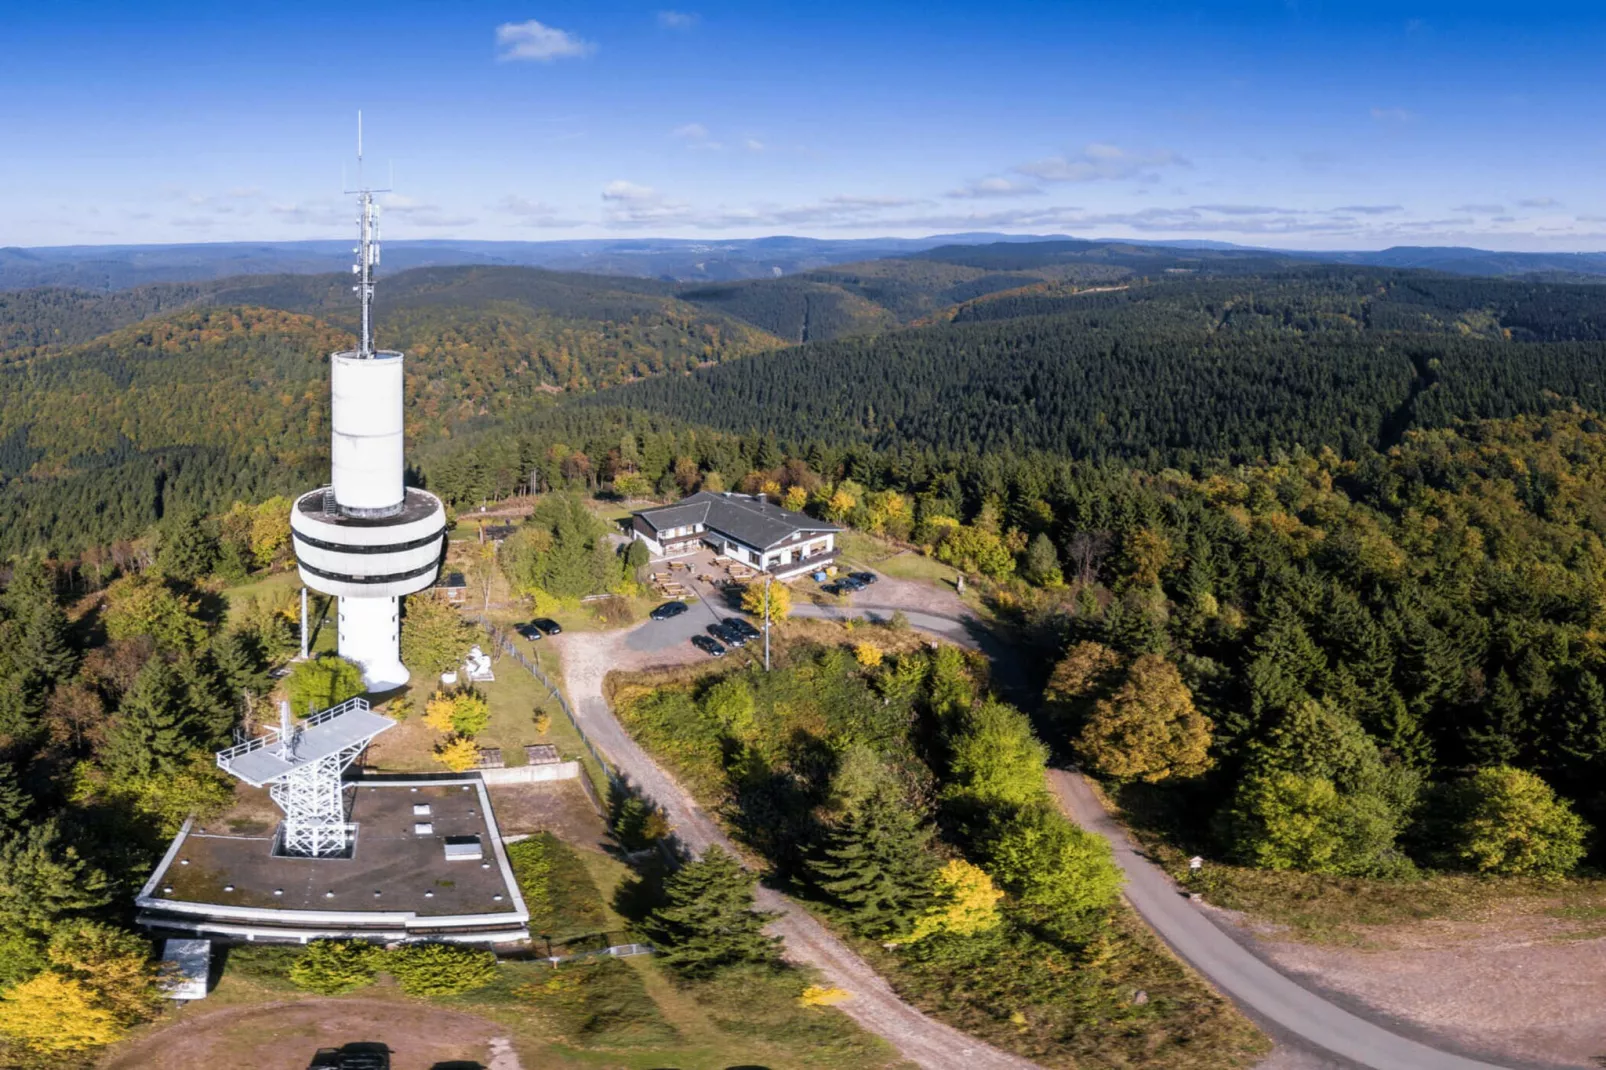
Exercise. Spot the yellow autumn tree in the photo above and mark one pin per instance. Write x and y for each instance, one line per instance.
(780, 596)
(438, 711)
(52, 1013)
(867, 654)
(458, 753)
(966, 902)
(1148, 728)
(795, 499)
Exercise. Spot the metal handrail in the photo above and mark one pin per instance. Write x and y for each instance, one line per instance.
(272, 731)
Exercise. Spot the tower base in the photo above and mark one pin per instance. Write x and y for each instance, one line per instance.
(370, 635)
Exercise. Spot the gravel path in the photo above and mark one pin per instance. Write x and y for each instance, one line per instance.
(587, 660)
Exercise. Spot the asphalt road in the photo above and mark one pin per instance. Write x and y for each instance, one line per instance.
(1277, 1000)
(1250, 982)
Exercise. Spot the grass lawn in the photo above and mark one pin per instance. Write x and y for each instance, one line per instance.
(274, 589)
(860, 550)
(515, 697)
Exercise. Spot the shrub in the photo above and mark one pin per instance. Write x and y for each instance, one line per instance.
(322, 682)
(330, 967)
(543, 722)
(867, 654)
(1508, 821)
(53, 1013)
(457, 753)
(440, 969)
(1052, 865)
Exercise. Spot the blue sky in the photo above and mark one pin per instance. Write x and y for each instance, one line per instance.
(1292, 124)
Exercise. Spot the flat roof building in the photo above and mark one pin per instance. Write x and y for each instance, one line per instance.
(451, 882)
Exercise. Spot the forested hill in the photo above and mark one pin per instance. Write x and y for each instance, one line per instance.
(1174, 370)
(227, 396)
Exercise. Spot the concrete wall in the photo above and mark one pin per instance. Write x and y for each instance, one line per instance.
(531, 774)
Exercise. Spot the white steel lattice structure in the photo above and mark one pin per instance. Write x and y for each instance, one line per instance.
(301, 765)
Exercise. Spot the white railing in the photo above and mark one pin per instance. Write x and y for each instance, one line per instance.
(271, 736)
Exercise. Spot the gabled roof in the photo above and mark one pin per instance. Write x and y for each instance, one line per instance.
(750, 519)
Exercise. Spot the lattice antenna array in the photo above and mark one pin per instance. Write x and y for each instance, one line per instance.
(302, 767)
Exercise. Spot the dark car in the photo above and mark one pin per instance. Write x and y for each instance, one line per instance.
(708, 646)
(864, 578)
(548, 625)
(667, 610)
(364, 1055)
(727, 635)
(848, 583)
(529, 631)
(744, 629)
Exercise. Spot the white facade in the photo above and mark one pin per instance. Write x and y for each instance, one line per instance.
(365, 400)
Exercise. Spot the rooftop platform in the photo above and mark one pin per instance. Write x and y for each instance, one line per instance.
(319, 505)
(320, 736)
(224, 880)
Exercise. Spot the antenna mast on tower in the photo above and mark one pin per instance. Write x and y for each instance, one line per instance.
(367, 250)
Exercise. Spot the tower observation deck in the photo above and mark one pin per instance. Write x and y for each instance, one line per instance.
(367, 538)
(301, 765)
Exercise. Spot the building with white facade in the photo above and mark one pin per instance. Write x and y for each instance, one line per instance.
(741, 527)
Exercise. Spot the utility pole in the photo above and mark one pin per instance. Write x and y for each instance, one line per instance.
(303, 623)
(767, 580)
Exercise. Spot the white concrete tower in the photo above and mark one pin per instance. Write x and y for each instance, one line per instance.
(367, 538)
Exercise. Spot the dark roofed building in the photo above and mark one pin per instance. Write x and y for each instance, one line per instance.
(742, 527)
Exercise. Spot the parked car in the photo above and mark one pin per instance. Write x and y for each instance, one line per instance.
(744, 629)
(548, 625)
(864, 578)
(728, 635)
(708, 646)
(848, 583)
(529, 631)
(668, 610)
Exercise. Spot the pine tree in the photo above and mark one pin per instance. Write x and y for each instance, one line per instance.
(43, 880)
(238, 656)
(152, 732)
(707, 921)
(877, 867)
(1496, 740)
(14, 801)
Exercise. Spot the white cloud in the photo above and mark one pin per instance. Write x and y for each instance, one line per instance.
(533, 213)
(1100, 162)
(629, 192)
(1370, 209)
(1481, 209)
(690, 132)
(1241, 209)
(422, 213)
(753, 144)
(537, 41)
(678, 20)
(995, 187)
(1392, 115)
(1539, 202)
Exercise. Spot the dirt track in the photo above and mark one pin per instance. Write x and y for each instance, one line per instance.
(587, 660)
(285, 1034)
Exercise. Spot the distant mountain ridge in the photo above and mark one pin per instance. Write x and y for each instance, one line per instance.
(119, 267)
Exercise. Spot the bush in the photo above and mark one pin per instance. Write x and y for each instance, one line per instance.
(457, 753)
(330, 967)
(322, 682)
(440, 969)
(1508, 821)
(1052, 865)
